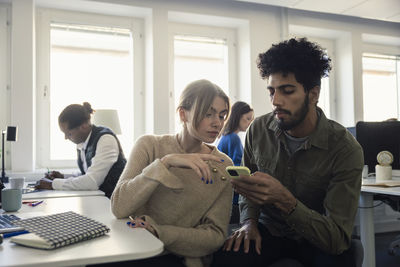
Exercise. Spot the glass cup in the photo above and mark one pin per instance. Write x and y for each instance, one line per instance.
(17, 182)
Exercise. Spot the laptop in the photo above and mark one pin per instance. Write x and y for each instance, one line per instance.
(7, 223)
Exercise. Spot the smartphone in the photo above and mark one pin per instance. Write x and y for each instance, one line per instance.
(236, 171)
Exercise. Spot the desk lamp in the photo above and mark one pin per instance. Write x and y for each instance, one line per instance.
(108, 118)
(11, 136)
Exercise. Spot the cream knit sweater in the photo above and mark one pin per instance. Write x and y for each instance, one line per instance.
(189, 216)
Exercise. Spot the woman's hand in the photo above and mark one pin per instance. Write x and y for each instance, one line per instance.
(54, 174)
(44, 183)
(195, 161)
(138, 222)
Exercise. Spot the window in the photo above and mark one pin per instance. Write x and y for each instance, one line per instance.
(324, 98)
(87, 62)
(4, 67)
(198, 55)
(380, 87)
(4, 77)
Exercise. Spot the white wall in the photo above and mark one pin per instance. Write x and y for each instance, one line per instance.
(23, 84)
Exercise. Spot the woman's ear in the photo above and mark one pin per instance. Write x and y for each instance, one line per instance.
(183, 115)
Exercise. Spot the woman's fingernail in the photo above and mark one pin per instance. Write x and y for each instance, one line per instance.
(202, 178)
(142, 223)
(211, 181)
(133, 224)
(222, 160)
(207, 182)
(128, 223)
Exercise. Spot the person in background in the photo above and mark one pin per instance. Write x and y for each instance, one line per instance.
(239, 120)
(100, 156)
(176, 186)
(230, 143)
(302, 197)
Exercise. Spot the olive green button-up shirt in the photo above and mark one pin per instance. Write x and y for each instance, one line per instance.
(324, 175)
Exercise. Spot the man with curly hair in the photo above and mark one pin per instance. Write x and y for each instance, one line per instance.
(301, 200)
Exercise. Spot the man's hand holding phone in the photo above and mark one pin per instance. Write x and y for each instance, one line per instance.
(261, 188)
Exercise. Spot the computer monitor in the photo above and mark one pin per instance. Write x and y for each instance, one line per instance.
(375, 137)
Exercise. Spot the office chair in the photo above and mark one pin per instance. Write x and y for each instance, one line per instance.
(286, 263)
(394, 203)
(394, 245)
(355, 255)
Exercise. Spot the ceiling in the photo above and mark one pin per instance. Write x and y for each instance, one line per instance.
(387, 10)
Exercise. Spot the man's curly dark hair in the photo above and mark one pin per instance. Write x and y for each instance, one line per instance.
(306, 60)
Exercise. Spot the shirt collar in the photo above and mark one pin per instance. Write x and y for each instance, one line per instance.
(318, 138)
(83, 145)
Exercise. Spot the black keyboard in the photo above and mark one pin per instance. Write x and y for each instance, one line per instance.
(7, 225)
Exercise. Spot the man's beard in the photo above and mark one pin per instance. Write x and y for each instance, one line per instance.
(297, 118)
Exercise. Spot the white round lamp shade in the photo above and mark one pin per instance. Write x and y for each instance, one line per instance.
(108, 118)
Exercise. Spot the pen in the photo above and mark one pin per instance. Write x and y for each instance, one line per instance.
(6, 235)
(30, 201)
(35, 204)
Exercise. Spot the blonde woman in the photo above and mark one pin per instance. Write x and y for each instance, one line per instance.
(176, 186)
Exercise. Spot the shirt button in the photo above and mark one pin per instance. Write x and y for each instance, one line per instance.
(214, 170)
(223, 178)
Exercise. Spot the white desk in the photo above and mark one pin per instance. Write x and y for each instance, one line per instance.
(367, 232)
(121, 243)
(43, 194)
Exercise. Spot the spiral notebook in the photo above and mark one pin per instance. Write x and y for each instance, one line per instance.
(58, 230)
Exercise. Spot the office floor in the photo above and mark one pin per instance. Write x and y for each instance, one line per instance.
(383, 259)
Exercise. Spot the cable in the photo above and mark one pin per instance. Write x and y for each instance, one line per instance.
(374, 206)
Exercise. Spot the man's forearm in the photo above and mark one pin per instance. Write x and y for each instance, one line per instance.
(287, 204)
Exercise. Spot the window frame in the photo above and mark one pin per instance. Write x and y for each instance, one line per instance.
(44, 17)
(228, 34)
(385, 50)
(5, 76)
(382, 52)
